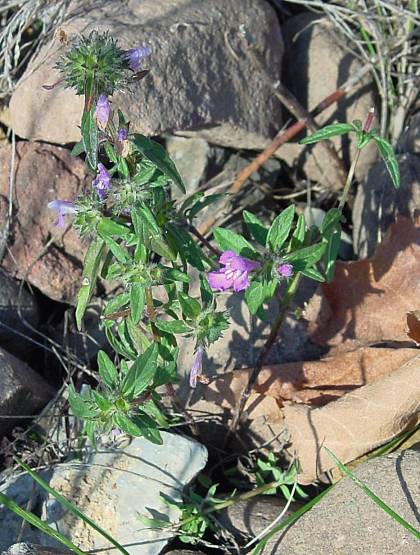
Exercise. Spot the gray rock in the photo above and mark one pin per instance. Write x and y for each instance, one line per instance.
(191, 157)
(378, 203)
(33, 549)
(410, 137)
(117, 484)
(346, 521)
(12, 301)
(201, 80)
(316, 63)
(22, 391)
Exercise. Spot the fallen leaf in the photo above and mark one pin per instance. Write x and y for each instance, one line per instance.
(368, 299)
(413, 323)
(355, 424)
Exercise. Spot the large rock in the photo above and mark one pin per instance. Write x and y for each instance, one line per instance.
(42, 173)
(378, 203)
(201, 79)
(22, 391)
(346, 521)
(33, 549)
(17, 306)
(316, 63)
(410, 137)
(117, 485)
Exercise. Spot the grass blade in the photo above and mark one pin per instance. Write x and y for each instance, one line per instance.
(375, 498)
(38, 523)
(71, 507)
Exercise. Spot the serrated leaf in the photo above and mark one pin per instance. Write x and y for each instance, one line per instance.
(327, 132)
(107, 370)
(91, 268)
(256, 227)
(388, 156)
(157, 154)
(172, 326)
(230, 241)
(280, 229)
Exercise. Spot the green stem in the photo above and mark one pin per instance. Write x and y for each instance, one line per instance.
(152, 312)
(349, 181)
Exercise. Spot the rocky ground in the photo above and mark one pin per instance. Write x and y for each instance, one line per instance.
(207, 101)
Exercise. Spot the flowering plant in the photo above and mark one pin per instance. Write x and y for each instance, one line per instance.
(146, 241)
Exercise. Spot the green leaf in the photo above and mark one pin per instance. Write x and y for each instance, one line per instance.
(80, 405)
(148, 427)
(256, 227)
(120, 254)
(327, 132)
(331, 232)
(202, 203)
(77, 149)
(206, 291)
(90, 139)
(172, 274)
(110, 152)
(191, 308)
(172, 326)
(305, 258)
(151, 408)
(137, 301)
(157, 154)
(161, 247)
(153, 523)
(254, 296)
(280, 229)
(298, 237)
(388, 156)
(186, 247)
(230, 241)
(91, 268)
(141, 373)
(109, 227)
(127, 425)
(313, 273)
(147, 218)
(107, 370)
(102, 402)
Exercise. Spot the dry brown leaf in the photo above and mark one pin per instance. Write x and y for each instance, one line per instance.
(369, 299)
(312, 382)
(413, 323)
(357, 423)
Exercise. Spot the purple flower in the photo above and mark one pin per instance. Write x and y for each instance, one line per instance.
(135, 56)
(115, 432)
(122, 134)
(103, 111)
(102, 181)
(234, 274)
(197, 366)
(62, 207)
(285, 270)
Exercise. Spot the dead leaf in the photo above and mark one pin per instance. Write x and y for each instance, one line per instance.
(369, 299)
(355, 424)
(413, 323)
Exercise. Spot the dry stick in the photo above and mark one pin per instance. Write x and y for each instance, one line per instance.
(287, 135)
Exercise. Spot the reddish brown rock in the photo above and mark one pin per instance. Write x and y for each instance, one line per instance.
(48, 257)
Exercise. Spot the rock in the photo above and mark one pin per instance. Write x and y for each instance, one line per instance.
(191, 157)
(118, 484)
(22, 391)
(12, 300)
(246, 519)
(346, 521)
(378, 203)
(43, 173)
(316, 63)
(410, 137)
(33, 549)
(201, 80)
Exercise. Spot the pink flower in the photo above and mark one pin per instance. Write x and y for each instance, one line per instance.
(234, 274)
(285, 270)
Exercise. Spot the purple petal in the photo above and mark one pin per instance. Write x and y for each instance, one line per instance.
(285, 270)
(196, 367)
(103, 110)
(62, 207)
(236, 262)
(102, 181)
(122, 134)
(240, 282)
(226, 257)
(218, 280)
(135, 56)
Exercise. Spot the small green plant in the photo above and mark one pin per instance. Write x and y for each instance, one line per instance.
(268, 471)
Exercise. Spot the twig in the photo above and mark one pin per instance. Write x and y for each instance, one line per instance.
(205, 242)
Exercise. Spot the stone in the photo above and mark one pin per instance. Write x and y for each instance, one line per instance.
(316, 63)
(33, 549)
(346, 521)
(43, 173)
(191, 157)
(378, 203)
(117, 484)
(201, 80)
(17, 305)
(409, 142)
(22, 391)
(246, 519)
